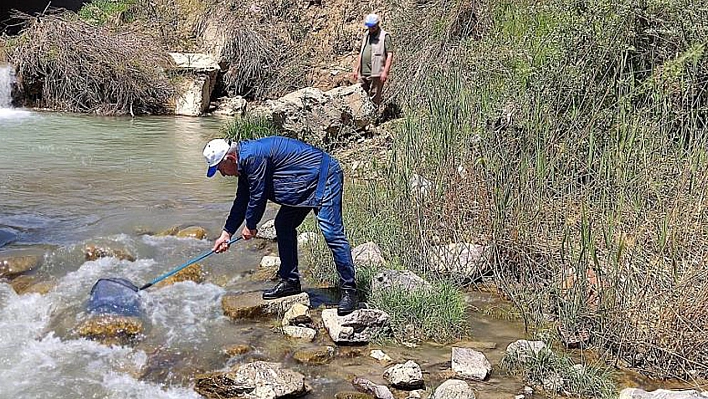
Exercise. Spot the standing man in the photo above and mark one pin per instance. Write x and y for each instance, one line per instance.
(375, 58)
(298, 177)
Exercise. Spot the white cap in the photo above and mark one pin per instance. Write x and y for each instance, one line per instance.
(371, 20)
(214, 152)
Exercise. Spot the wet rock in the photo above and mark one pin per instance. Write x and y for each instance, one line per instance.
(469, 364)
(236, 350)
(30, 285)
(636, 393)
(380, 355)
(405, 376)
(190, 273)
(168, 232)
(462, 260)
(195, 232)
(265, 274)
(112, 329)
(377, 391)
(453, 389)
(267, 231)
(252, 306)
(399, 280)
(13, 266)
(316, 356)
(304, 333)
(352, 395)
(258, 380)
(368, 254)
(297, 315)
(360, 326)
(522, 349)
(93, 252)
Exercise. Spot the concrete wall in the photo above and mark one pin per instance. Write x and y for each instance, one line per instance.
(31, 7)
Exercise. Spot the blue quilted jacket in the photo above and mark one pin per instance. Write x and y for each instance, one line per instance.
(283, 170)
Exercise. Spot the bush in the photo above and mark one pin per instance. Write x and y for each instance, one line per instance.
(67, 64)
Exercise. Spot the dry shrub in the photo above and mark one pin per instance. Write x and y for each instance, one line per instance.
(172, 23)
(67, 64)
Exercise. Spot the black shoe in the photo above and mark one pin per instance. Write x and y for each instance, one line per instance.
(349, 302)
(282, 289)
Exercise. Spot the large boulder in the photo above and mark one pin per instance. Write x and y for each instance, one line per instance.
(358, 327)
(198, 74)
(313, 115)
(470, 364)
(453, 389)
(252, 306)
(257, 380)
(463, 261)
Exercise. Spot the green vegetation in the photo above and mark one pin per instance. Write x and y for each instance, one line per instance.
(248, 128)
(98, 12)
(560, 375)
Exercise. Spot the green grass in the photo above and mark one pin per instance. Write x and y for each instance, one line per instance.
(98, 12)
(248, 128)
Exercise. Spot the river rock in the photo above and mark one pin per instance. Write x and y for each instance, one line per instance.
(297, 315)
(521, 350)
(399, 280)
(28, 284)
(257, 380)
(453, 389)
(359, 326)
(380, 355)
(270, 261)
(317, 356)
(352, 395)
(237, 350)
(307, 238)
(93, 252)
(195, 232)
(168, 232)
(470, 364)
(405, 376)
(304, 333)
(368, 254)
(190, 273)
(266, 231)
(636, 393)
(16, 265)
(112, 329)
(252, 306)
(377, 391)
(462, 260)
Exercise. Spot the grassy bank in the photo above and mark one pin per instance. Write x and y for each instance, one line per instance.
(581, 129)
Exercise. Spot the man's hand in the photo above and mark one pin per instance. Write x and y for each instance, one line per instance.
(248, 233)
(222, 243)
(384, 76)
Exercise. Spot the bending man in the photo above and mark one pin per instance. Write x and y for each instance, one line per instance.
(298, 177)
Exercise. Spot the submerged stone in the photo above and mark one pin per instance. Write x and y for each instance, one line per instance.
(196, 232)
(189, 273)
(14, 266)
(93, 252)
(112, 329)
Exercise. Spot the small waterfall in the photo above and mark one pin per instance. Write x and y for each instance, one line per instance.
(7, 78)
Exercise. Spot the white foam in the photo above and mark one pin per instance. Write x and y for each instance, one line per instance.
(14, 113)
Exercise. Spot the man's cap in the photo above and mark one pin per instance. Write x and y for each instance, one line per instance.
(214, 152)
(371, 20)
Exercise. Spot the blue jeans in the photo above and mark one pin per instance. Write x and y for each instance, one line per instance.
(329, 219)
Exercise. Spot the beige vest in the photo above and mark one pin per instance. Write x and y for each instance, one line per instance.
(378, 53)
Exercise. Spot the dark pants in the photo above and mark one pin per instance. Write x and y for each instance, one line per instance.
(329, 219)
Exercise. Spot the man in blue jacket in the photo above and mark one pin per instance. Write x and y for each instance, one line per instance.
(298, 177)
